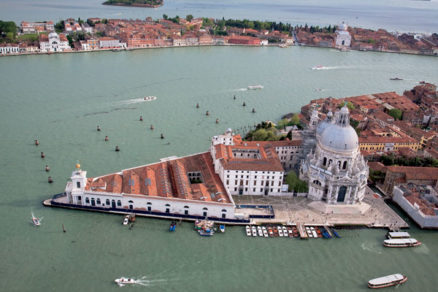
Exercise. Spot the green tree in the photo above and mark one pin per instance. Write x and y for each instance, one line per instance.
(396, 113)
(165, 17)
(295, 184)
(59, 26)
(295, 120)
(189, 17)
(260, 135)
(350, 105)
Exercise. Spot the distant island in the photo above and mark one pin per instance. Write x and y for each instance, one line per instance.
(135, 3)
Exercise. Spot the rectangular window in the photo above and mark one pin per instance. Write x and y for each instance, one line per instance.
(246, 183)
(87, 200)
(246, 189)
(235, 182)
(235, 189)
(272, 183)
(228, 182)
(254, 190)
(79, 198)
(78, 184)
(279, 183)
(119, 203)
(261, 190)
(255, 182)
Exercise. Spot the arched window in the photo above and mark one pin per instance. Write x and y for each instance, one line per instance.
(339, 164)
(324, 161)
(119, 203)
(344, 166)
(205, 213)
(167, 208)
(317, 182)
(107, 202)
(149, 205)
(98, 201)
(330, 162)
(186, 210)
(87, 200)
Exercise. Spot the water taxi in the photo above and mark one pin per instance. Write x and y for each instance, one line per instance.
(150, 98)
(387, 281)
(395, 235)
(123, 281)
(401, 242)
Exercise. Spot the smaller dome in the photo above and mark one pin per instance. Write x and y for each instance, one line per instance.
(343, 26)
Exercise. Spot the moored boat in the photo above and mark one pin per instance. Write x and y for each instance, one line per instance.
(126, 220)
(206, 232)
(395, 235)
(248, 230)
(402, 242)
(254, 231)
(172, 226)
(222, 228)
(387, 281)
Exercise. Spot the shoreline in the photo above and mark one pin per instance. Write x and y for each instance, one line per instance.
(221, 45)
(134, 5)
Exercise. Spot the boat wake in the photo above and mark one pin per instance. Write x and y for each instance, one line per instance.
(370, 248)
(319, 67)
(138, 100)
(241, 89)
(143, 281)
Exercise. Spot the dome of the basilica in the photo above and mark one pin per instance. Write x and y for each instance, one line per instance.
(339, 136)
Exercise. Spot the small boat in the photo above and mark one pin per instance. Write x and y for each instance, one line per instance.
(222, 228)
(270, 232)
(123, 281)
(280, 231)
(254, 231)
(259, 231)
(395, 78)
(265, 232)
(150, 98)
(126, 220)
(335, 233)
(206, 232)
(387, 281)
(402, 242)
(172, 226)
(36, 221)
(255, 87)
(395, 235)
(248, 230)
(318, 67)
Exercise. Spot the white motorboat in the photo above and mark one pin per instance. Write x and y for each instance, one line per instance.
(126, 220)
(265, 232)
(248, 230)
(254, 231)
(259, 231)
(150, 98)
(124, 281)
(255, 87)
(35, 220)
(387, 281)
(280, 231)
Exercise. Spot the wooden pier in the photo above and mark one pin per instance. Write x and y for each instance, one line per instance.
(302, 231)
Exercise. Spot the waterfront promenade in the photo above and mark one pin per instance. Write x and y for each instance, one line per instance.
(372, 212)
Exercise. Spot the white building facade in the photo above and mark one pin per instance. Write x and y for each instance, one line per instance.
(336, 172)
(55, 43)
(343, 37)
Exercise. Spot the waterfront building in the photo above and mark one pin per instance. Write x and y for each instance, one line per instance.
(54, 43)
(187, 187)
(343, 37)
(396, 175)
(253, 167)
(419, 202)
(6, 49)
(336, 171)
(110, 43)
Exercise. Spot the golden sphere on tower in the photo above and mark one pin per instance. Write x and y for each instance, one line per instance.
(78, 165)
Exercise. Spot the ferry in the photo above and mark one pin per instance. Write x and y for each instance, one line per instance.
(401, 242)
(387, 281)
(254, 87)
(397, 235)
(123, 281)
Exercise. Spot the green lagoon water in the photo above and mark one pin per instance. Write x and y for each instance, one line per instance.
(60, 99)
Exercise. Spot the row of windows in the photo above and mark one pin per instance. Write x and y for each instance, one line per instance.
(247, 171)
(236, 182)
(255, 190)
(255, 177)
